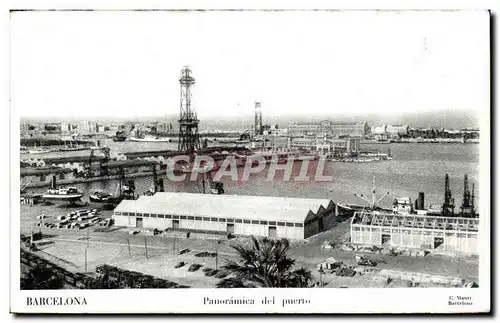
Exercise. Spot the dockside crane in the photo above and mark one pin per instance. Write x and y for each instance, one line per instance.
(103, 164)
(126, 186)
(157, 185)
(23, 187)
(87, 167)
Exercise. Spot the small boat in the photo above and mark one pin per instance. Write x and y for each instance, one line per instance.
(39, 150)
(149, 139)
(119, 136)
(100, 196)
(74, 148)
(70, 194)
(63, 194)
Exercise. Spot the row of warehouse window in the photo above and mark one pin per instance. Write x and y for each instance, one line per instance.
(368, 228)
(436, 233)
(210, 219)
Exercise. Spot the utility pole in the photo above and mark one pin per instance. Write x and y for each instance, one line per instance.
(85, 259)
(217, 255)
(146, 245)
(88, 236)
(321, 277)
(128, 243)
(217, 259)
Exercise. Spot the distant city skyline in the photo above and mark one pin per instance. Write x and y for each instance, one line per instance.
(438, 119)
(86, 64)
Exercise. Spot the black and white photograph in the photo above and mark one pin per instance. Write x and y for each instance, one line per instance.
(219, 157)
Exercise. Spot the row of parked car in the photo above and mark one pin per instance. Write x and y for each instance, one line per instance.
(80, 219)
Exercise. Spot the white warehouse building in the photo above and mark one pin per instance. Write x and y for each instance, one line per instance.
(274, 217)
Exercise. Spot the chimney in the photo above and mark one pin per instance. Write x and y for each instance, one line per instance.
(53, 183)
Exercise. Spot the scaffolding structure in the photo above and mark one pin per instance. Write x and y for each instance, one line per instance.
(455, 234)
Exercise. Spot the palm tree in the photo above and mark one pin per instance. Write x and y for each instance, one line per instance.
(264, 264)
(41, 277)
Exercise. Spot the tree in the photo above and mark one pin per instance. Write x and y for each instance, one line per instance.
(264, 263)
(41, 277)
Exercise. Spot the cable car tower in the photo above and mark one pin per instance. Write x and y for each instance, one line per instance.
(189, 138)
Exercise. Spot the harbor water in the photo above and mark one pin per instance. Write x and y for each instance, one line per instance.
(416, 167)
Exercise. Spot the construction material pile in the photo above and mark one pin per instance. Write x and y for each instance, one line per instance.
(345, 271)
(109, 277)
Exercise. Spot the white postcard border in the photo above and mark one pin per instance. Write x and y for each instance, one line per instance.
(351, 300)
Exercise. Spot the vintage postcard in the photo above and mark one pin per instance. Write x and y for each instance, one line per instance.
(251, 161)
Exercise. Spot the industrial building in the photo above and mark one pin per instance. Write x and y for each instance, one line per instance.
(273, 217)
(328, 128)
(389, 131)
(435, 233)
(346, 146)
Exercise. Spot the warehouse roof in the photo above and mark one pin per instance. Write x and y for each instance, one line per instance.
(225, 206)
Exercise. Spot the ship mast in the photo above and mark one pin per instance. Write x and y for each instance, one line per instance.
(373, 203)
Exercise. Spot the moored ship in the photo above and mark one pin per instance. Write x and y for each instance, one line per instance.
(119, 136)
(70, 194)
(100, 196)
(149, 139)
(141, 137)
(64, 194)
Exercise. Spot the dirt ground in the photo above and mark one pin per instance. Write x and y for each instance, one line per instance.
(111, 246)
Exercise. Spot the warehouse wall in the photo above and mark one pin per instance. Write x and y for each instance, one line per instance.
(326, 215)
(290, 232)
(415, 238)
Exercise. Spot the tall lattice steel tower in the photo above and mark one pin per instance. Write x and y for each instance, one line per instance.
(258, 118)
(189, 138)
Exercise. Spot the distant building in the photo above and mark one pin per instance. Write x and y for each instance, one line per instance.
(378, 130)
(52, 127)
(65, 127)
(385, 132)
(161, 127)
(305, 129)
(353, 129)
(24, 128)
(84, 126)
(328, 128)
(397, 130)
(346, 146)
(88, 127)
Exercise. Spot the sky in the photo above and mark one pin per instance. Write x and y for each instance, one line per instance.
(125, 63)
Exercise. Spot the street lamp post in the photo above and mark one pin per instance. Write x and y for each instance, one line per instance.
(217, 255)
(321, 272)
